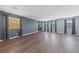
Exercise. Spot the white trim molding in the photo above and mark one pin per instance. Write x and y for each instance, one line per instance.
(29, 33)
(23, 35)
(1, 40)
(14, 37)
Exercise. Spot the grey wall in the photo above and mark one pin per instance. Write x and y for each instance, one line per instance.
(29, 25)
(14, 32)
(2, 27)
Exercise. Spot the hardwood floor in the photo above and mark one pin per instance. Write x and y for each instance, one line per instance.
(42, 42)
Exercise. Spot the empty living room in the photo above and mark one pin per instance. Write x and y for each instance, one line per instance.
(39, 29)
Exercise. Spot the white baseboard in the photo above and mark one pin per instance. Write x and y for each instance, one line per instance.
(14, 37)
(29, 33)
(23, 35)
(1, 40)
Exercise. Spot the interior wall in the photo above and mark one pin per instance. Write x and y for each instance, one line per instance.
(13, 26)
(2, 27)
(29, 25)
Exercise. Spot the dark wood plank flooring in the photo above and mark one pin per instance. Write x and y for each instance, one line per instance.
(42, 42)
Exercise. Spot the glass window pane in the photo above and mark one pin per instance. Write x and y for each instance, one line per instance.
(53, 26)
(69, 26)
(77, 25)
(60, 26)
(49, 26)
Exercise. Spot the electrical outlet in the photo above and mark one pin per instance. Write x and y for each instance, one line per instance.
(16, 33)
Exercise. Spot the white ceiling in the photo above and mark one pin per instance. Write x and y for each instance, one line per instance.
(42, 12)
